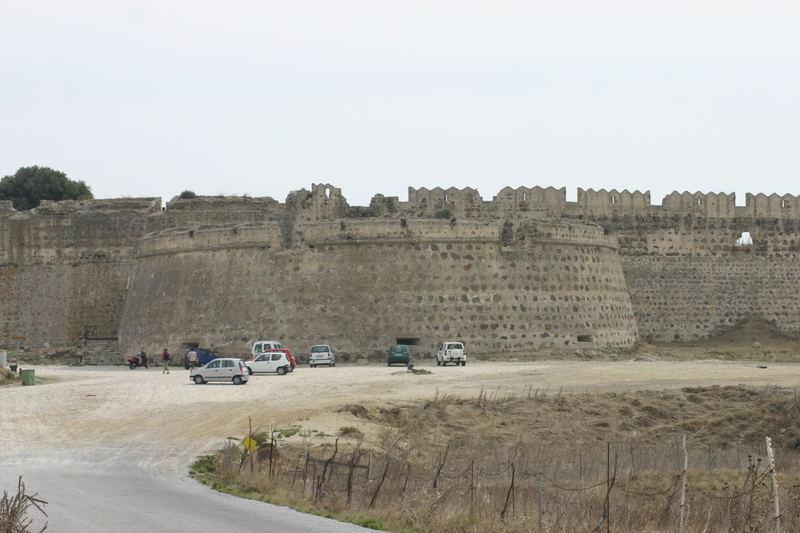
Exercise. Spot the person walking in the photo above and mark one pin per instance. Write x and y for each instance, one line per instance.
(143, 358)
(165, 360)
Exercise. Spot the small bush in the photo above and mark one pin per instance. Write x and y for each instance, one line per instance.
(285, 433)
(350, 431)
(371, 523)
(188, 195)
(206, 464)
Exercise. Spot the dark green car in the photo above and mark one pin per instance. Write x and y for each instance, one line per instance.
(397, 353)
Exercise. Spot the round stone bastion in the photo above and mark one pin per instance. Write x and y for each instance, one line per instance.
(364, 284)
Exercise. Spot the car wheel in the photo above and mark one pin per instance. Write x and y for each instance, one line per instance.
(237, 380)
(463, 363)
(281, 371)
(198, 380)
(312, 366)
(249, 371)
(132, 366)
(333, 364)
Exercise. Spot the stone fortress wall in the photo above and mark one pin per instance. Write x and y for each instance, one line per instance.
(363, 284)
(524, 270)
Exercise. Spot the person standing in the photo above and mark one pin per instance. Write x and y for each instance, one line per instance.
(143, 358)
(165, 360)
(192, 359)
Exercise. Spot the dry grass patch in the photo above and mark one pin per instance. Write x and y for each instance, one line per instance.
(514, 463)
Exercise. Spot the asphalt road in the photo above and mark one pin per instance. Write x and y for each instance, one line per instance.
(86, 496)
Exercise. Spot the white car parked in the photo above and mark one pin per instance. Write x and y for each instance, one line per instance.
(451, 352)
(322, 354)
(263, 346)
(269, 362)
(224, 369)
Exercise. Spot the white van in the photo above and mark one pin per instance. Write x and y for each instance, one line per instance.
(263, 346)
(451, 352)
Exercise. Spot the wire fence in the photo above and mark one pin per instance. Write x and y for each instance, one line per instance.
(622, 486)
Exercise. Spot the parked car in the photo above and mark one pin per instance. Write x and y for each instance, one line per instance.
(289, 355)
(397, 353)
(276, 361)
(322, 354)
(204, 355)
(263, 346)
(451, 352)
(222, 369)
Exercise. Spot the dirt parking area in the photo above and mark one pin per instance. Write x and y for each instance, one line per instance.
(168, 420)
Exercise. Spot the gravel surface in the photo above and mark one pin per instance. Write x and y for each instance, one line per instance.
(109, 447)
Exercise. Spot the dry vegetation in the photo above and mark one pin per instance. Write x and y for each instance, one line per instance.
(7, 377)
(538, 461)
(14, 510)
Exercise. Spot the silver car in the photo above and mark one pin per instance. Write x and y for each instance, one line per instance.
(322, 354)
(224, 369)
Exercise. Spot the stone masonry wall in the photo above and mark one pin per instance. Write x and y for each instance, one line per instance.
(64, 269)
(427, 280)
(225, 269)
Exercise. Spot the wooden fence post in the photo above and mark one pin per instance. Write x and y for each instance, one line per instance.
(775, 495)
(439, 470)
(683, 484)
(541, 501)
(509, 493)
(378, 488)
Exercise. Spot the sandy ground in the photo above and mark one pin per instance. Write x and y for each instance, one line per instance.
(163, 421)
(110, 447)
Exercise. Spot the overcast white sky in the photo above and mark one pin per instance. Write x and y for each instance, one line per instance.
(142, 98)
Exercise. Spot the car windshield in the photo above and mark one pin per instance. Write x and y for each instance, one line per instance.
(319, 349)
(399, 348)
(454, 347)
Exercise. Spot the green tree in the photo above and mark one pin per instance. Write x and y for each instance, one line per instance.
(28, 186)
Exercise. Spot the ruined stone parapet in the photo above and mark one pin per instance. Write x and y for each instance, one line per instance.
(204, 210)
(213, 237)
(99, 206)
(555, 231)
(7, 208)
(323, 202)
(403, 230)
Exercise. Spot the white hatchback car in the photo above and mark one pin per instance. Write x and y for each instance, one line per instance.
(269, 362)
(224, 369)
(322, 354)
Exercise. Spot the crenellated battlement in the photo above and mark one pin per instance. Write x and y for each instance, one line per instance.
(326, 202)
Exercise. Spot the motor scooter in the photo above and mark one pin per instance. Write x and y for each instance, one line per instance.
(135, 362)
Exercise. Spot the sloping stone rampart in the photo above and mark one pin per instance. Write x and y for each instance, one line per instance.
(361, 286)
